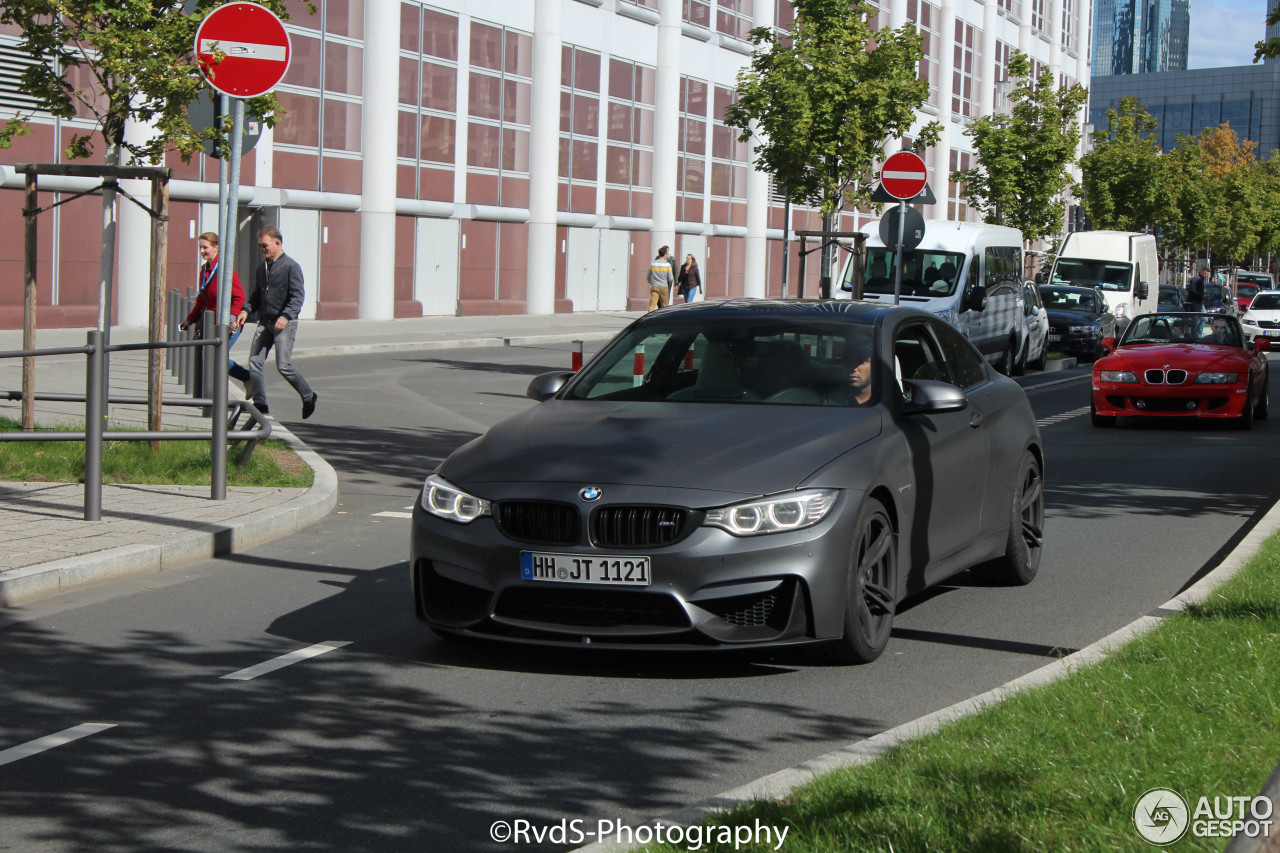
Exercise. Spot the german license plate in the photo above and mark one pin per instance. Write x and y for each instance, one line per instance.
(1272, 333)
(1055, 338)
(584, 568)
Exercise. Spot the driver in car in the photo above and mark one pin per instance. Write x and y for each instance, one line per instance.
(1221, 333)
(856, 362)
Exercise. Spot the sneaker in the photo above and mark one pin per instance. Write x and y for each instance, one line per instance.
(309, 405)
(263, 408)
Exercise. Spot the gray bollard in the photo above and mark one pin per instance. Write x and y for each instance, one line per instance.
(93, 424)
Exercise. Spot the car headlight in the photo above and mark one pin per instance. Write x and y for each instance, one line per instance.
(774, 515)
(1248, 321)
(1121, 311)
(445, 500)
(948, 316)
(1217, 378)
(1083, 330)
(1116, 376)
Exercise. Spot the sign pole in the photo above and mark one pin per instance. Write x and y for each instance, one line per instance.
(218, 471)
(897, 273)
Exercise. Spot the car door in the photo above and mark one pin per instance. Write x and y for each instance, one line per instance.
(949, 450)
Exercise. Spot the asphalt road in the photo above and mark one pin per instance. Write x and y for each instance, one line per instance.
(390, 739)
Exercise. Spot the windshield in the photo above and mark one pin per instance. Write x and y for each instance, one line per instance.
(775, 361)
(925, 273)
(1109, 275)
(1265, 302)
(1183, 328)
(1169, 297)
(1246, 291)
(1064, 299)
(1254, 278)
(1213, 293)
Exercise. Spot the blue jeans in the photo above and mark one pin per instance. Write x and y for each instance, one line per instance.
(689, 293)
(235, 371)
(263, 340)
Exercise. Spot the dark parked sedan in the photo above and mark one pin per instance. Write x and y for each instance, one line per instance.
(736, 473)
(1079, 319)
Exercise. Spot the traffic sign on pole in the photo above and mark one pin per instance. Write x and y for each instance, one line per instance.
(254, 46)
(903, 175)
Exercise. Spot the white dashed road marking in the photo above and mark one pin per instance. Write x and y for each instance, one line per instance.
(286, 660)
(390, 514)
(1065, 416)
(39, 745)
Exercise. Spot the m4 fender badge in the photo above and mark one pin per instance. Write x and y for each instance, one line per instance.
(591, 493)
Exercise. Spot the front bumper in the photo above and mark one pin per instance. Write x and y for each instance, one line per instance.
(708, 588)
(1169, 401)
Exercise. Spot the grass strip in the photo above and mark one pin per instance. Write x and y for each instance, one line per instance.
(179, 463)
(1193, 706)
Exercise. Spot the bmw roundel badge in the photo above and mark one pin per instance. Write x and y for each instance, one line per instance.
(591, 493)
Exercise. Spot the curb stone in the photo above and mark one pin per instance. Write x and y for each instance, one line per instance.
(215, 539)
(778, 785)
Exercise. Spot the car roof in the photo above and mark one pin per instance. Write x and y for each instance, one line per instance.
(850, 309)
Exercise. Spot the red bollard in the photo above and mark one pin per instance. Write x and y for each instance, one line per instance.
(638, 368)
(688, 360)
(577, 356)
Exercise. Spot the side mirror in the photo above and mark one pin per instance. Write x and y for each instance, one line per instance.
(977, 298)
(928, 396)
(1108, 345)
(1261, 345)
(1143, 290)
(547, 385)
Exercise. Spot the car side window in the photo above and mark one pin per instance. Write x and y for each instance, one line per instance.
(965, 365)
(916, 355)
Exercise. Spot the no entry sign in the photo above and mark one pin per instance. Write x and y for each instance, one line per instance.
(255, 48)
(903, 175)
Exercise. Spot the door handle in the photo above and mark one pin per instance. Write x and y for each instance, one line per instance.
(976, 420)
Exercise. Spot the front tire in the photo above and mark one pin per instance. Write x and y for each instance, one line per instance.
(1021, 560)
(870, 588)
(1263, 408)
(1245, 421)
(1007, 358)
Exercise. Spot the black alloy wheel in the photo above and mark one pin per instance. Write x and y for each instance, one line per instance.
(1021, 558)
(871, 588)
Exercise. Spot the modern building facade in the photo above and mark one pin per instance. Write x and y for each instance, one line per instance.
(1186, 102)
(511, 156)
(1140, 36)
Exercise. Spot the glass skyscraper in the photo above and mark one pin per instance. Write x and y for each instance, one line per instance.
(1140, 36)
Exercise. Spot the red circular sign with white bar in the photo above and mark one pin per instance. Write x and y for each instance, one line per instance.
(254, 45)
(904, 175)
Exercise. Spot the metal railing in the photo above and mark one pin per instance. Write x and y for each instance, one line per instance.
(95, 432)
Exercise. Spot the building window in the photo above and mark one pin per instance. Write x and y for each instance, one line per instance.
(1069, 35)
(428, 86)
(926, 17)
(957, 207)
(644, 4)
(629, 131)
(735, 18)
(728, 156)
(698, 12)
(579, 125)
(499, 107)
(964, 86)
(1039, 18)
(691, 175)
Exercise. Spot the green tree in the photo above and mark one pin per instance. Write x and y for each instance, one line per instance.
(1270, 48)
(824, 96)
(116, 60)
(1023, 157)
(1121, 176)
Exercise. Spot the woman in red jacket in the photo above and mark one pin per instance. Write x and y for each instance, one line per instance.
(207, 300)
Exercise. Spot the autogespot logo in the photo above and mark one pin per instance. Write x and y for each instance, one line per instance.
(1161, 816)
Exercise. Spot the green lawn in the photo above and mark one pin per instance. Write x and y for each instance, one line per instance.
(1193, 706)
(182, 463)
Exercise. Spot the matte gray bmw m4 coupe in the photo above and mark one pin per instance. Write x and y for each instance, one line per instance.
(737, 473)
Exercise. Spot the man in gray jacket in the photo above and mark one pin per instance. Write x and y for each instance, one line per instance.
(277, 297)
(661, 278)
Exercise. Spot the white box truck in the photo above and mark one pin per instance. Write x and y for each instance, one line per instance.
(970, 274)
(1122, 264)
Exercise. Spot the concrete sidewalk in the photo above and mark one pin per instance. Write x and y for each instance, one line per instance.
(49, 548)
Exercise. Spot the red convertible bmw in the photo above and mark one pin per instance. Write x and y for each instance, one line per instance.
(1181, 365)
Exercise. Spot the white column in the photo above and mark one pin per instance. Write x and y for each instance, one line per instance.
(897, 13)
(544, 158)
(666, 126)
(1084, 68)
(378, 171)
(757, 248)
(987, 64)
(133, 249)
(1055, 40)
(1024, 28)
(946, 69)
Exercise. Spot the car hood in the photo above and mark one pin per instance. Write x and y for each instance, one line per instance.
(1194, 357)
(741, 449)
(1059, 317)
(1268, 314)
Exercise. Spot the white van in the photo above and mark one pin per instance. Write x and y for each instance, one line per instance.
(968, 273)
(1120, 263)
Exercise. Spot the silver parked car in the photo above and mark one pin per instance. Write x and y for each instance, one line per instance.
(747, 472)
